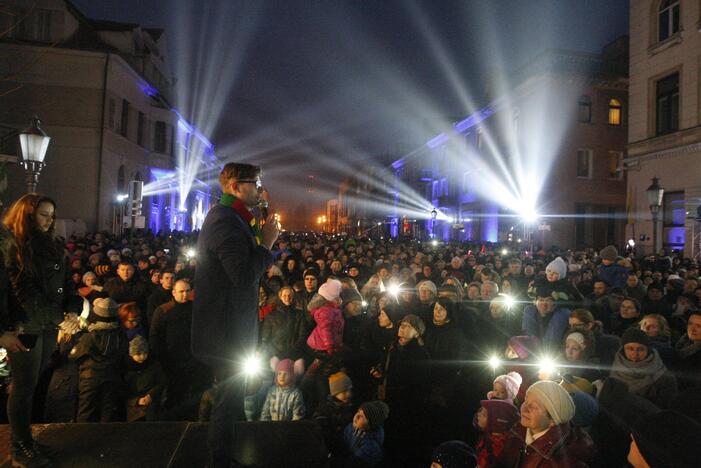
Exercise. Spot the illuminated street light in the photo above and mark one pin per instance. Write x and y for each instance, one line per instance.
(34, 142)
(494, 362)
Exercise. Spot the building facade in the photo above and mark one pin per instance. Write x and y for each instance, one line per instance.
(665, 122)
(103, 91)
(551, 142)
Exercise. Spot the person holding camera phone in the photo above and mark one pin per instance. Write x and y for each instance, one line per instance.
(35, 266)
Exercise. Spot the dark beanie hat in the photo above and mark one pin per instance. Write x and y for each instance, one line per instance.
(395, 313)
(454, 454)
(635, 335)
(375, 412)
(668, 439)
(310, 272)
(609, 253)
(350, 295)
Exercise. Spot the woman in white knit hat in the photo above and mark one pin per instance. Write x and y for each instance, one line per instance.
(545, 436)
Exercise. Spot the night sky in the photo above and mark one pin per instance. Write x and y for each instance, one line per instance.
(313, 82)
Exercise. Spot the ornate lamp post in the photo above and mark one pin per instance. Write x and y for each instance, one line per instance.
(34, 142)
(655, 192)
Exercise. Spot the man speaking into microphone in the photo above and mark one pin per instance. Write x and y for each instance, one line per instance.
(233, 253)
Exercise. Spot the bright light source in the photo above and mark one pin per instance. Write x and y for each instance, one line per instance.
(379, 224)
(518, 240)
(494, 362)
(121, 197)
(529, 216)
(394, 289)
(505, 252)
(252, 366)
(631, 242)
(364, 304)
(191, 253)
(547, 366)
(434, 243)
(509, 301)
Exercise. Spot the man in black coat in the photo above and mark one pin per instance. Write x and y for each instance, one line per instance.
(233, 254)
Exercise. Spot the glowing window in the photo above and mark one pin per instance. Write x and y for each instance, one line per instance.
(614, 112)
(668, 19)
(584, 112)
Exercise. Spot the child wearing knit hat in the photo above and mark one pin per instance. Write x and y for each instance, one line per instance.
(494, 421)
(284, 400)
(365, 436)
(506, 387)
(336, 411)
(145, 382)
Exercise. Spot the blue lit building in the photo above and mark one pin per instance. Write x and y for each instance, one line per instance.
(104, 93)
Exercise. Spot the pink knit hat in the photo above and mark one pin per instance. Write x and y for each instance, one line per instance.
(511, 382)
(331, 290)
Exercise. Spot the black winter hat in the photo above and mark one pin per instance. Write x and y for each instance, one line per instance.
(350, 295)
(635, 335)
(375, 412)
(668, 439)
(454, 454)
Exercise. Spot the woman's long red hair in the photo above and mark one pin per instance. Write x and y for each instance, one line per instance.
(20, 221)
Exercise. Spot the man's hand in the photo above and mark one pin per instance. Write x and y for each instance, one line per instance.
(270, 231)
(11, 343)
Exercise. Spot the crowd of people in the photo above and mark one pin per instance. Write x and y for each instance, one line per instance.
(406, 353)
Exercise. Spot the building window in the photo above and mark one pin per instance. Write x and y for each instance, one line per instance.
(112, 106)
(673, 220)
(614, 112)
(667, 100)
(584, 113)
(159, 137)
(584, 163)
(140, 130)
(615, 165)
(668, 19)
(124, 128)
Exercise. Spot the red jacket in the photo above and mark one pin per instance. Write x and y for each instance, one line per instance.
(563, 446)
(328, 334)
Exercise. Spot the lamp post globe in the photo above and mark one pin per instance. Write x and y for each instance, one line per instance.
(33, 142)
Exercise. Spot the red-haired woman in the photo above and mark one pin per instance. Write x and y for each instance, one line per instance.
(35, 263)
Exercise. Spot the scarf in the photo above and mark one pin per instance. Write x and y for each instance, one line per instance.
(638, 375)
(686, 348)
(231, 201)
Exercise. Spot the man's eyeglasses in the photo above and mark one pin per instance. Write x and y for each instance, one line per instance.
(258, 182)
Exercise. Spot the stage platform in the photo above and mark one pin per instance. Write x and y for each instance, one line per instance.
(175, 444)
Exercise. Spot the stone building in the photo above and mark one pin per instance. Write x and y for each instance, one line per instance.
(104, 93)
(664, 131)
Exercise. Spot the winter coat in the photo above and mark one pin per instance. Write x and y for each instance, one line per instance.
(144, 379)
(333, 416)
(101, 354)
(229, 267)
(62, 394)
(606, 347)
(284, 332)
(687, 363)
(122, 291)
(550, 330)
(158, 297)
(490, 448)
(562, 446)
(619, 324)
(649, 378)
(376, 342)
(327, 336)
(365, 447)
(283, 404)
(407, 376)
(169, 337)
(446, 348)
(615, 275)
(36, 296)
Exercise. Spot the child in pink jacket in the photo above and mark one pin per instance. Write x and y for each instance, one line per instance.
(327, 335)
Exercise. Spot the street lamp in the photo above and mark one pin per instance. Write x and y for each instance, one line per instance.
(434, 214)
(34, 142)
(654, 192)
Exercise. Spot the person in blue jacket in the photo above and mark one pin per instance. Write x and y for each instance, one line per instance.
(546, 319)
